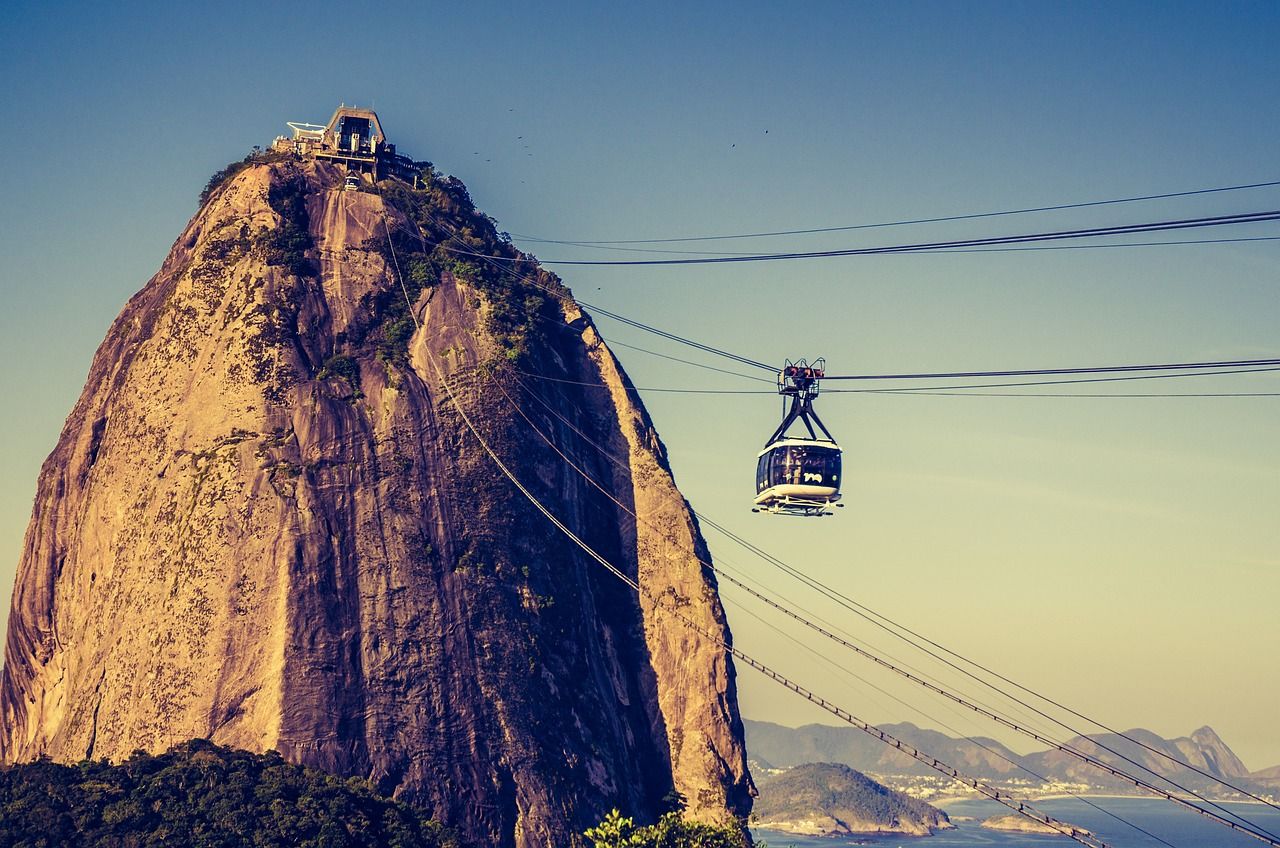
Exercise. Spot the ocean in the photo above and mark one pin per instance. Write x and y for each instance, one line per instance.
(1176, 825)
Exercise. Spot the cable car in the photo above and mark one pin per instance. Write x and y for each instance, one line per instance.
(795, 475)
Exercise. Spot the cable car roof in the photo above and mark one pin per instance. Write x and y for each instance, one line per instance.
(803, 443)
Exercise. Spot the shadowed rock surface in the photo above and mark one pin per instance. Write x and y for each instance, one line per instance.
(265, 524)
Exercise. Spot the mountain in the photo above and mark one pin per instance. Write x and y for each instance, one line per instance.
(1206, 750)
(830, 799)
(1269, 777)
(787, 746)
(201, 794)
(1203, 749)
(987, 759)
(266, 522)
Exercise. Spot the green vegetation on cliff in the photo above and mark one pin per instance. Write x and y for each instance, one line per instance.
(256, 157)
(201, 795)
(287, 244)
(446, 227)
(671, 831)
(444, 234)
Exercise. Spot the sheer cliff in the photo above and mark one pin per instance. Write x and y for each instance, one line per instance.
(265, 523)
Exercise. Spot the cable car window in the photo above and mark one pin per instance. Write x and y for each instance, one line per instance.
(792, 460)
(803, 466)
(821, 467)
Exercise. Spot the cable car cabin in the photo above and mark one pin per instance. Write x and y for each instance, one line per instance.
(798, 476)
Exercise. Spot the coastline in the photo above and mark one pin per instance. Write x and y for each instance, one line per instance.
(1150, 813)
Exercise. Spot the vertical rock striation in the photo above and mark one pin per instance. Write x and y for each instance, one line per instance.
(266, 524)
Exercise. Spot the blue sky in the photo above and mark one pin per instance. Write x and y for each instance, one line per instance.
(1121, 554)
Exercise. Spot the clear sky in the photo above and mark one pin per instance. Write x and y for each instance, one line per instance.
(1121, 554)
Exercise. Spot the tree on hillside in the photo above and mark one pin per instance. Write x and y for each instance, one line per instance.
(202, 796)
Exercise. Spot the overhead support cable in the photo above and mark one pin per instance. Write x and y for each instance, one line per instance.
(1111, 245)
(755, 363)
(956, 391)
(1120, 395)
(1105, 369)
(933, 251)
(912, 221)
(1166, 243)
(773, 368)
(939, 390)
(1090, 232)
(930, 391)
(904, 390)
(616, 343)
(1088, 369)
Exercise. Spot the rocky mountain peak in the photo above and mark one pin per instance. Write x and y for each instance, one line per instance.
(1206, 736)
(1205, 749)
(265, 524)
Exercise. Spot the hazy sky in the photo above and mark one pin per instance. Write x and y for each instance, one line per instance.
(1121, 554)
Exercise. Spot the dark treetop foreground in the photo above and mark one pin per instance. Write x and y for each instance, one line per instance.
(202, 796)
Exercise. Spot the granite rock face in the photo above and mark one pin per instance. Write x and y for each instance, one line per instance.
(1205, 750)
(265, 523)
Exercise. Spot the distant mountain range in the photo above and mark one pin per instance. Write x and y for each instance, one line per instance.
(1268, 777)
(774, 745)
